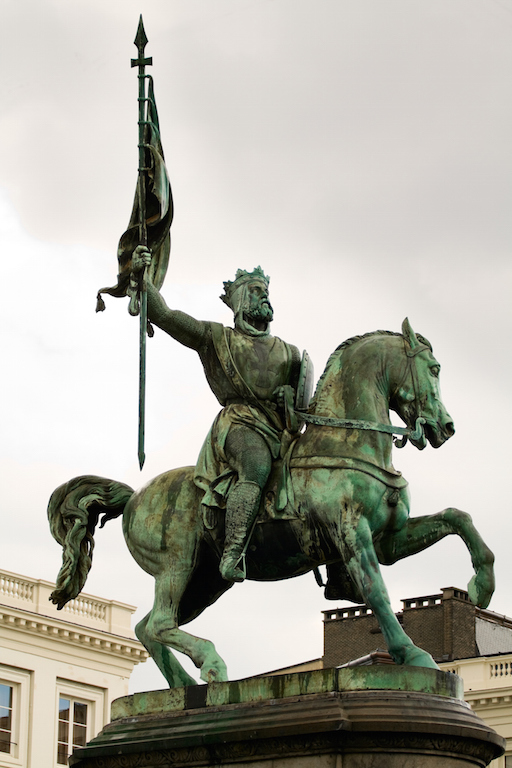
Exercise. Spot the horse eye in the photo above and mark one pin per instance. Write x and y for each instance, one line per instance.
(435, 370)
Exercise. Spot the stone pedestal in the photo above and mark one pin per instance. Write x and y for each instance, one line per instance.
(364, 717)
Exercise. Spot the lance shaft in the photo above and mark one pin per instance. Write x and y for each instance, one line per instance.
(141, 62)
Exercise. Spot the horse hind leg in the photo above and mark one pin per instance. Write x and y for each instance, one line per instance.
(166, 662)
(161, 632)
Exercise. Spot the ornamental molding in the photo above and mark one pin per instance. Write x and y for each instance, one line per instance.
(72, 634)
(293, 747)
(478, 700)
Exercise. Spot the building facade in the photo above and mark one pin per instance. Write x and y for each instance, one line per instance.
(59, 670)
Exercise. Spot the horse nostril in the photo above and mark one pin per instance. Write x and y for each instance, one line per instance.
(449, 428)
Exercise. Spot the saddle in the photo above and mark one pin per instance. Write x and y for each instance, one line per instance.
(278, 500)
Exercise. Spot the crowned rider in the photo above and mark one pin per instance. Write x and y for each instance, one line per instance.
(254, 377)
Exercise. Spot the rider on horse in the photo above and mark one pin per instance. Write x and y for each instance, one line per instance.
(255, 377)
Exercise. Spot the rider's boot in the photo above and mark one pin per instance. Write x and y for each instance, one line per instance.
(241, 509)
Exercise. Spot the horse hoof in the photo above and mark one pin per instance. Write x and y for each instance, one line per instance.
(419, 658)
(481, 588)
(214, 673)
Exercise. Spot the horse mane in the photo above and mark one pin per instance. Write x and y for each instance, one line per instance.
(344, 345)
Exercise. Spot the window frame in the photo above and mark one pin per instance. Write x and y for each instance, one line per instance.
(70, 724)
(9, 708)
(20, 682)
(94, 698)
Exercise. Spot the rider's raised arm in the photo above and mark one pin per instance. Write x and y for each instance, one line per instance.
(182, 327)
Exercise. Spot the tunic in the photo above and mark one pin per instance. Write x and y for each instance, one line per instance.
(243, 372)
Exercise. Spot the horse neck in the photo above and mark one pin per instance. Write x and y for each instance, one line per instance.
(356, 386)
(355, 382)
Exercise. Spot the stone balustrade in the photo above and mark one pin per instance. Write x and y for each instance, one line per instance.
(94, 612)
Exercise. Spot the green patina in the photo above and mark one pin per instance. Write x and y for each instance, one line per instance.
(276, 687)
(267, 501)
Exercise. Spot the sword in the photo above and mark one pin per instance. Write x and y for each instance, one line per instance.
(141, 62)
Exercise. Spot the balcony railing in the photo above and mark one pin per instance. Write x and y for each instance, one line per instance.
(33, 595)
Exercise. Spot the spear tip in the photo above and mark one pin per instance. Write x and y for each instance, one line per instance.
(140, 38)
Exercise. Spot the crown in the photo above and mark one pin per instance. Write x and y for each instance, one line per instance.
(242, 277)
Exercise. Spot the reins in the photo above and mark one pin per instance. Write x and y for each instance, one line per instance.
(328, 421)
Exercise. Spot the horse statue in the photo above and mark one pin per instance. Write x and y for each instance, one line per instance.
(345, 506)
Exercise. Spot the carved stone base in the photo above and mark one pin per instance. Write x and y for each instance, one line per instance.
(365, 717)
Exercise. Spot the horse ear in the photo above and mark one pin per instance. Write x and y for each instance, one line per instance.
(409, 334)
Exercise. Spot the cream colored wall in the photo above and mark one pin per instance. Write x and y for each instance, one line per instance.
(87, 652)
(488, 691)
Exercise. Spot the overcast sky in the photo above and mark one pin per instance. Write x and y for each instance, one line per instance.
(359, 151)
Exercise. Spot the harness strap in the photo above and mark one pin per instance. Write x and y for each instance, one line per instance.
(392, 479)
(329, 421)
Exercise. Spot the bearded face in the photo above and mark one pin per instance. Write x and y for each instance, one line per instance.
(258, 307)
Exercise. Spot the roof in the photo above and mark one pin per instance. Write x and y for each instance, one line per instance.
(492, 638)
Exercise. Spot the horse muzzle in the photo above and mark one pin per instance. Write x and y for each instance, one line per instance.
(437, 433)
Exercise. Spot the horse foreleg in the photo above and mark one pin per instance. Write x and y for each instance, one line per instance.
(363, 566)
(162, 628)
(421, 532)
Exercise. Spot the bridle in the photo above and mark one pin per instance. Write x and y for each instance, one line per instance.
(406, 432)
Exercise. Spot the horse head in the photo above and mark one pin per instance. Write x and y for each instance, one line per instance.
(416, 393)
(368, 375)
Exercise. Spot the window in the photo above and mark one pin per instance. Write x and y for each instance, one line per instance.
(80, 713)
(14, 715)
(72, 727)
(6, 703)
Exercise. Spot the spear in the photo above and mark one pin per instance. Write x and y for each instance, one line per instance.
(141, 62)
(149, 225)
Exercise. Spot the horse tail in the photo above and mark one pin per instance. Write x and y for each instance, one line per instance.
(73, 513)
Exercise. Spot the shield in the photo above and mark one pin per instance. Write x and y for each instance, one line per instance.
(306, 383)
